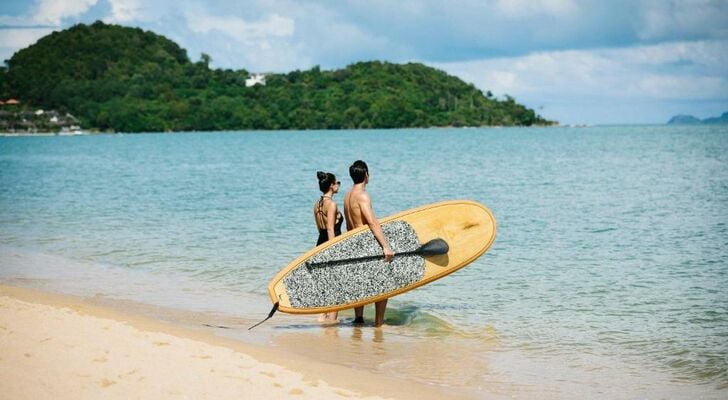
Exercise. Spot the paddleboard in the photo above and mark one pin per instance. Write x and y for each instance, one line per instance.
(319, 281)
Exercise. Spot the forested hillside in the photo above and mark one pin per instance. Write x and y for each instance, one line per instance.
(126, 79)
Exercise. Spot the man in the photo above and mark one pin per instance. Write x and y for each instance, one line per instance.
(358, 212)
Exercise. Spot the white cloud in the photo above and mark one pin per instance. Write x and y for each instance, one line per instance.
(274, 26)
(45, 13)
(682, 87)
(267, 44)
(565, 81)
(675, 70)
(48, 12)
(52, 12)
(125, 11)
(668, 18)
(334, 41)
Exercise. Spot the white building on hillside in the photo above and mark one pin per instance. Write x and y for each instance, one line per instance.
(255, 79)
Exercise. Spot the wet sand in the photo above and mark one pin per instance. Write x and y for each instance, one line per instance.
(65, 347)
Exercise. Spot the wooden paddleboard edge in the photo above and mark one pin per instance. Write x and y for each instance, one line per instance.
(278, 278)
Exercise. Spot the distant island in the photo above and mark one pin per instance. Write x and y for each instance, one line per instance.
(121, 79)
(691, 120)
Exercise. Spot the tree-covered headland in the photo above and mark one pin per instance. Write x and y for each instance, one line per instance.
(116, 78)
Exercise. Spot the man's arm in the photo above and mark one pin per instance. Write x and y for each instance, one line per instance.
(365, 204)
(347, 213)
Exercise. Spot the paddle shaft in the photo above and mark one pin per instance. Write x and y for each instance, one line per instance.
(358, 259)
(433, 247)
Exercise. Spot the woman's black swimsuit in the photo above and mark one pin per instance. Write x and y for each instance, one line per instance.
(323, 235)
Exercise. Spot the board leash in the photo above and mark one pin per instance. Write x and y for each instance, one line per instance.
(270, 314)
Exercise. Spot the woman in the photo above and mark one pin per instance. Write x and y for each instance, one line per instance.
(328, 220)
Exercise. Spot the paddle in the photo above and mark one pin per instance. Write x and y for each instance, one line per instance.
(434, 247)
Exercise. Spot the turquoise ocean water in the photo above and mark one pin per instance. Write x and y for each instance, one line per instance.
(610, 264)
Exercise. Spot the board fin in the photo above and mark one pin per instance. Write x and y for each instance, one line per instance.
(270, 314)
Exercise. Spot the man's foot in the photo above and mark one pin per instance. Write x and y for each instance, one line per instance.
(359, 320)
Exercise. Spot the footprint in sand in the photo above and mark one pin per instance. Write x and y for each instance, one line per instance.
(106, 382)
(266, 373)
(296, 391)
(161, 344)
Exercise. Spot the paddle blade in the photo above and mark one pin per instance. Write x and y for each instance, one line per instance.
(434, 247)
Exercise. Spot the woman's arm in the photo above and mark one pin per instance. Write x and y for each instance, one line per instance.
(331, 219)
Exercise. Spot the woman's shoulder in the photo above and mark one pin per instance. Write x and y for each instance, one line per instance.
(330, 203)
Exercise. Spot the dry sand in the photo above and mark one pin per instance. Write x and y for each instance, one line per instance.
(62, 347)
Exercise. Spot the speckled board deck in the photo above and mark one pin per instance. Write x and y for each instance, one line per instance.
(306, 288)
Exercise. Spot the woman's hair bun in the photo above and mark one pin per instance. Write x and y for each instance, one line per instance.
(325, 179)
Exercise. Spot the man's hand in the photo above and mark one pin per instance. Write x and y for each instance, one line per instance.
(388, 254)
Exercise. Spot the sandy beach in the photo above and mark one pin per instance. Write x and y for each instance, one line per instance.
(63, 347)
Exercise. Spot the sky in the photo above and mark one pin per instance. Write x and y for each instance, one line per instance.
(573, 61)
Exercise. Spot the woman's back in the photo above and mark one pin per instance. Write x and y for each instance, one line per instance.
(321, 215)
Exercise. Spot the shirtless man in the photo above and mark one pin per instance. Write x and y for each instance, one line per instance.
(358, 212)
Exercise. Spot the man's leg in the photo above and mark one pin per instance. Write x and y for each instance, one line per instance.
(359, 315)
(381, 307)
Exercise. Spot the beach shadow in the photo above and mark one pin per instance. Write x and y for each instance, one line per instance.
(300, 326)
(343, 323)
(217, 326)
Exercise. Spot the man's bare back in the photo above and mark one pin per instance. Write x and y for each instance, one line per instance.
(358, 212)
(352, 209)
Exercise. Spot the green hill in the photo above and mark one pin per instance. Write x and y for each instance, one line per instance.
(691, 120)
(126, 79)
(683, 119)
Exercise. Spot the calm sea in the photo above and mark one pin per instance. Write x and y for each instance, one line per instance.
(609, 274)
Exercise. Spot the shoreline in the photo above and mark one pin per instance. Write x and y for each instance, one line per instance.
(62, 346)
(428, 128)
